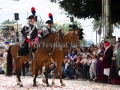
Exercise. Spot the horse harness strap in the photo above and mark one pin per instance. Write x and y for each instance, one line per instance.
(72, 38)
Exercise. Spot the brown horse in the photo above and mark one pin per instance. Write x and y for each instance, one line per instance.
(42, 54)
(71, 38)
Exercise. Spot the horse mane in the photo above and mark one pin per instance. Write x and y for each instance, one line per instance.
(71, 32)
(46, 36)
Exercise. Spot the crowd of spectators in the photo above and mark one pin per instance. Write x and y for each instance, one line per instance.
(99, 63)
(8, 35)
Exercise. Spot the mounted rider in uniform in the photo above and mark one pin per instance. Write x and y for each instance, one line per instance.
(30, 32)
(49, 29)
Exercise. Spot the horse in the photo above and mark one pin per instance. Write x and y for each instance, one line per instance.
(70, 38)
(43, 52)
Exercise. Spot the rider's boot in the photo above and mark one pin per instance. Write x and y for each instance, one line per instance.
(30, 54)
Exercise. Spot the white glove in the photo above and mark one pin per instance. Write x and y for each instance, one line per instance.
(28, 37)
(39, 35)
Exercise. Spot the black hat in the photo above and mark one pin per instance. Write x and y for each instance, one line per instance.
(49, 22)
(31, 17)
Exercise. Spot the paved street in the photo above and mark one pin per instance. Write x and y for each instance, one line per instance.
(9, 83)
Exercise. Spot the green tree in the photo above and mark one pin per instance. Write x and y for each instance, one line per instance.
(97, 23)
(64, 27)
(89, 8)
(40, 22)
(8, 22)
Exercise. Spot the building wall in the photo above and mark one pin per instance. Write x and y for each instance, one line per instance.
(15, 26)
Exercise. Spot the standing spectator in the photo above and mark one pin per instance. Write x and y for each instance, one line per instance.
(84, 56)
(118, 54)
(99, 66)
(106, 60)
(113, 70)
(4, 65)
(92, 69)
(13, 36)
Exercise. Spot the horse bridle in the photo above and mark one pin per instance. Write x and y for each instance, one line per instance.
(72, 38)
(57, 38)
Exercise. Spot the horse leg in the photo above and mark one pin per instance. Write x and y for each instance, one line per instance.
(17, 70)
(43, 76)
(17, 80)
(60, 72)
(53, 78)
(46, 73)
(36, 74)
(20, 63)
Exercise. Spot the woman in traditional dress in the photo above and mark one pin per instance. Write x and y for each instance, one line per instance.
(99, 66)
(118, 59)
(113, 70)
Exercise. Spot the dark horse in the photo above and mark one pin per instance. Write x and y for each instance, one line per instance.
(42, 54)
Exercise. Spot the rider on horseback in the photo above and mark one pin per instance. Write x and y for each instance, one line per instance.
(49, 29)
(30, 32)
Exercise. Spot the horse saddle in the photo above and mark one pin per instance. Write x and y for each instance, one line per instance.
(24, 48)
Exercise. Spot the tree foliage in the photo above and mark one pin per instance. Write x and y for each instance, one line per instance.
(65, 27)
(40, 23)
(97, 23)
(89, 8)
(8, 22)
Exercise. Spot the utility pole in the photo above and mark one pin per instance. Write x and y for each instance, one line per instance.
(108, 21)
(17, 32)
(108, 26)
(103, 18)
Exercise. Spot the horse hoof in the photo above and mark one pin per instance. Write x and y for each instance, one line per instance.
(63, 84)
(21, 85)
(34, 85)
(49, 85)
(53, 83)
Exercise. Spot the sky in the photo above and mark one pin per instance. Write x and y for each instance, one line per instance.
(43, 7)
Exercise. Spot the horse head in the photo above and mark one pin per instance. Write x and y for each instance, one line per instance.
(72, 38)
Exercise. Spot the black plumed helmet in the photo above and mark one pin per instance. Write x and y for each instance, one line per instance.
(49, 22)
(31, 17)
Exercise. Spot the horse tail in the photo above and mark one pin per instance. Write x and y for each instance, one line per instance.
(9, 62)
